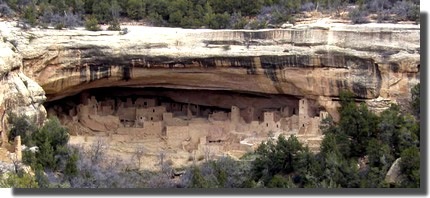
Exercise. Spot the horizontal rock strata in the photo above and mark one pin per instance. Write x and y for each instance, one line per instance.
(377, 62)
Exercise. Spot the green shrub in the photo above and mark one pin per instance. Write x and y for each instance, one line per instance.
(358, 16)
(279, 181)
(415, 100)
(256, 24)
(383, 15)
(17, 180)
(21, 126)
(114, 26)
(41, 179)
(410, 167)
(197, 179)
(5, 10)
(51, 140)
(406, 10)
(92, 24)
(30, 15)
(71, 169)
(59, 26)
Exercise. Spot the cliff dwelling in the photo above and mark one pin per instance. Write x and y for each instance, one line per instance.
(191, 99)
(188, 121)
(149, 106)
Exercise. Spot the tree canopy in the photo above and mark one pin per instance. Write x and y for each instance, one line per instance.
(215, 14)
(356, 152)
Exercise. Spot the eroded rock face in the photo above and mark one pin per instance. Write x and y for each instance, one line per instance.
(376, 63)
(18, 93)
(379, 63)
(266, 82)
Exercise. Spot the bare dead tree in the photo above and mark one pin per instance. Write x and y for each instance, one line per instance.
(139, 152)
(13, 157)
(98, 150)
(161, 157)
(207, 153)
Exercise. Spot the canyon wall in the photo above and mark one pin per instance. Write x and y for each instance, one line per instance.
(18, 93)
(378, 62)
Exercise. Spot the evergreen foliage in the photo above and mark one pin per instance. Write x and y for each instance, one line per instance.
(21, 126)
(216, 14)
(114, 26)
(20, 180)
(359, 137)
(357, 151)
(416, 100)
(410, 168)
(92, 24)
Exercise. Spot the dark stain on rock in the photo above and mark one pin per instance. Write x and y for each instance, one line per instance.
(206, 62)
(92, 53)
(342, 84)
(251, 69)
(278, 88)
(255, 35)
(309, 44)
(83, 74)
(388, 53)
(361, 63)
(331, 86)
(332, 59)
(271, 64)
(378, 79)
(93, 73)
(270, 67)
(222, 42)
(394, 67)
(271, 74)
(104, 71)
(99, 72)
(126, 73)
(342, 60)
(359, 89)
(245, 63)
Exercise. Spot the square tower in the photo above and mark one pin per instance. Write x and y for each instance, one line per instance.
(303, 112)
(93, 106)
(269, 117)
(235, 115)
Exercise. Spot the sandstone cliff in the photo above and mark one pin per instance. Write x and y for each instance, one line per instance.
(18, 93)
(379, 63)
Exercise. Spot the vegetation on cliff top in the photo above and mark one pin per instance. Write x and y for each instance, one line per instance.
(214, 14)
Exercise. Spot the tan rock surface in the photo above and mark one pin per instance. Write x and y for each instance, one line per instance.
(394, 173)
(378, 62)
(374, 61)
(18, 93)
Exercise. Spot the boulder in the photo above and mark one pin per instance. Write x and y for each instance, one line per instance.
(393, 174)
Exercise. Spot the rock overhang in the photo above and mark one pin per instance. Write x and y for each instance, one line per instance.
(282, 74)
(313, 61)
(220, 70)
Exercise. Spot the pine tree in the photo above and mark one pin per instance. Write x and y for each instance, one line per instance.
(198, 181)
